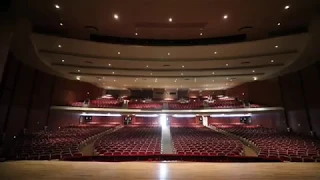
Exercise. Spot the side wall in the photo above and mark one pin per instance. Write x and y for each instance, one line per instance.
(297, 92)
(26, 95)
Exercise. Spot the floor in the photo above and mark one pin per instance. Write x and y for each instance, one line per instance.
(31, 170)
(249, 151)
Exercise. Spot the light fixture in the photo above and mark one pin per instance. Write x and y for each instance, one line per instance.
(148, 85)
(170, 19)
(181, 74)
(78, 78)
(227, 78)
(272, 61)
(119, 52)
(227, 64)
(61, 24)
(59, 46)
(147, 65)
(225, 16)
(114, 80)
(62, 60)
(200, 34)
(168, 54)
(151, 74)
(212, 72)
(279, 24)
(57, 6)
(212, 80)
(253, 71)
(276, 46)
(215, 52)
(287, 7)
(112, 72)
(109, 64)
(116, 16)
(78, 70)
(255, 78)
(182, 66)
(136, 34)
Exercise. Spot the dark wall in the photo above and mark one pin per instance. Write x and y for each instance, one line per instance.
(26, 95)
(297, 92)
(106, 120)
(183, 121)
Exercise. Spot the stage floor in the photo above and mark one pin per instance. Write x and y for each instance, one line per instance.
(36, 170)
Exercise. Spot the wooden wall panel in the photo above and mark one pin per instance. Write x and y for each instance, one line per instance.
(40, 102)
(183, 121)
(146, 120)
(223, 120)
(21, 97)
(62, 118)
(107, 120)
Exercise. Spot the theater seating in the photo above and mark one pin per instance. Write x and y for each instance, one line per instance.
(77, 104)
(46, 145)
(275, 144)
(190, 105)
(224, 104)
(204, 141)
(105, 103)
(130, 141)
(142, 105)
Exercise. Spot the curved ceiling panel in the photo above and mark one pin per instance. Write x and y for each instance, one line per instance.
(199, 67)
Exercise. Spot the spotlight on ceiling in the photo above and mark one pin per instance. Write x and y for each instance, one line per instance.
(279, 24)
(57, 6)
(136, 34)
(109, 64)
(61, 24)
(116, 16)
(276, 46)
(62, 60)
(227, 64)
(272, 61)
(182, 66)
(215, 52)
(59, 46)
(78, 78)
(200, 34)
(225, 16)
(170, 19)
(119, 53)
(168, 54)
(255, 78)
(78, 70)
(253, 71)
(287, 7)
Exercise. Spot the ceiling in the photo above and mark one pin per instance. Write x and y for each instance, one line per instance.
(150, 19)
(210, 67)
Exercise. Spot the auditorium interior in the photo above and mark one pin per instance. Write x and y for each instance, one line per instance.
(171, 89)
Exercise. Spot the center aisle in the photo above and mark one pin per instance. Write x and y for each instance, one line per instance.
(166, 141)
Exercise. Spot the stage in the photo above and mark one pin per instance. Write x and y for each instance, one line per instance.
(65, 170)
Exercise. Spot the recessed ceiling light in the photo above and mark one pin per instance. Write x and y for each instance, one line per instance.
(227, 64)
(62, 60)
(272, 61)
(212, 80)
(116, 16)
(225, 16)
(99, 79)
(57, 6)
(215, 52)
(287, 7)
(182, 66)
(181, 74)
(279, 24)
(168, 54)
(170, 19)
(109, 64)
(151, 74)
(212, 72)
(253, 71)
(136, 34)
(147, 65)
(200, 34)
(227, 78)
(255, 78)
(119, 52)
(114, 80)
(276, 46)
(59, 46)
(78, 78)
(78, 70)
(112, 72)
(61, 24)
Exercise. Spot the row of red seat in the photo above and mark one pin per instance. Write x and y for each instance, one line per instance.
(276, 144)
(131, 140)
(204, 141)
(45, 145)
(142, 105)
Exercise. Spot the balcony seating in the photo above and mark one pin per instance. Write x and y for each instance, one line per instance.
(46, 145)
(204, 141)
(105, 103)
(142, 105)
(134, 140)
(224, 104)
(275, 144)
(77, 104)
(190, 105)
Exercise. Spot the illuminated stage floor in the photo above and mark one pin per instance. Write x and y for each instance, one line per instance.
(35, 170)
